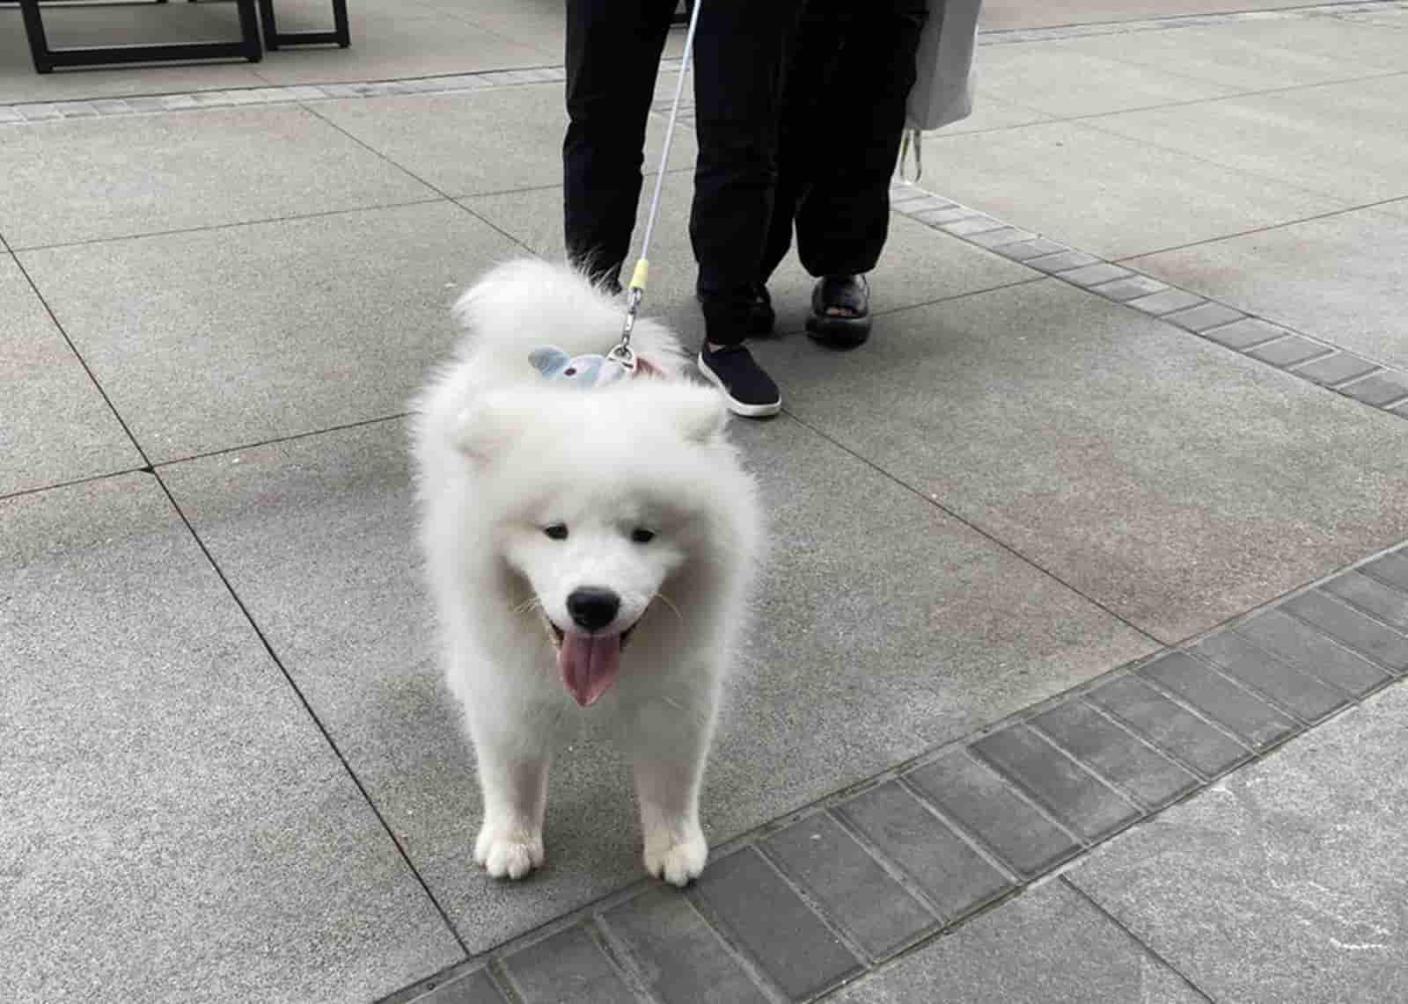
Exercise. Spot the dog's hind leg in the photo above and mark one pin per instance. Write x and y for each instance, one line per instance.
(514, 784)
(670, 748)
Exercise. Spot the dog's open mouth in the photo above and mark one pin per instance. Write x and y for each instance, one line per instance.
(589, 663)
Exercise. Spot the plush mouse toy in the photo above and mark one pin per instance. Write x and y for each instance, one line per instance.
(584, 371)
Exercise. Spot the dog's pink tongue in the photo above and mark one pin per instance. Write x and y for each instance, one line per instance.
(589, 664)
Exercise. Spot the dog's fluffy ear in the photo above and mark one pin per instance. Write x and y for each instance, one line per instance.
(700, 414)
(486, 428)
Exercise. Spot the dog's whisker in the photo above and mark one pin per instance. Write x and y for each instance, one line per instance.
(671, 604)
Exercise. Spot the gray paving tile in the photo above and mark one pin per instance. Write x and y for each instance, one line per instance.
(569, 966)
(971, 225)
(992, 810)
(54, 424)
(1341, 278)
(1245, 333)
(1235, 58)
(1166, 302)
(1002, 237)
(1379, 389)
(1301, 645)
(1349, 627)
(1039, 248)
(1296, 863)
(1130, 288)
(857, 894)
(1060, 179)
(773, 924)
(476, 988)
(1388, 605)
(1391, 568)
(317, 537)
(1204, 316)
(1336, 368)
(1065, 82)
(1093, 275)
(1062, 261)
(919, 264)
(238, 346)
(1049, 944)
(1289, 351)
(941, 215)
(1215, 697)
(1296, 691)
(681, 958)
(954, 877)
(1115, 754)
(151, 173)
(990, 112)
(445, 138)
(174, 819)
(1035, 438)
(1080, 800)
(1169, 727)
(1295, 137)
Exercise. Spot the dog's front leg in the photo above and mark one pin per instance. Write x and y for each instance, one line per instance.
(671, 744)
(513, 778)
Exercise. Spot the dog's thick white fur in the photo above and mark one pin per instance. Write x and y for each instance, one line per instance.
(587, 547)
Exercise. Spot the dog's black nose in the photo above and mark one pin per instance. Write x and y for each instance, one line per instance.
(592, 608)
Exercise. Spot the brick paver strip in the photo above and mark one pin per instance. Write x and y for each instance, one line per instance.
(1372, 596)
(1305, 696)
(566, 966)
(1115, 754)
(1084, 803)
(954, 876)
(772, 923)
(972, 225)
(1298, 643)
(1169, 727)
(679, 956)
(856, 893)
(984, 804)
(476, 988)
(1391, 568)
(1218, 699)
(1335, 369)
(1096, 760)
(1349, 627)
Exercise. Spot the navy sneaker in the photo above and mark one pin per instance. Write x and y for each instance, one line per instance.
(750, 391)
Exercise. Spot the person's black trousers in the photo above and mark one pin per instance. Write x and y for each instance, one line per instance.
(850, 71)
(613, 51)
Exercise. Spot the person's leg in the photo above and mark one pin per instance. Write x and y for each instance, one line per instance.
(739, 62)
(613, 53)
(739, 57)
(844, 219)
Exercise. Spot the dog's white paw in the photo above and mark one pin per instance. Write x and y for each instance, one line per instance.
(676, 859)
(508, 853)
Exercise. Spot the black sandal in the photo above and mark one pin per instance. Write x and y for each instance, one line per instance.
(840, 331)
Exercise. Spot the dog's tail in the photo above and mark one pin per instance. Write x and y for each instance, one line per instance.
(527, 303)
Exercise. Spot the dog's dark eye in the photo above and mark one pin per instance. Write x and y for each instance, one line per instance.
(558, 531)
(642, 536)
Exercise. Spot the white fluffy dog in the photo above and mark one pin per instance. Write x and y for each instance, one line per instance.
(589, 550)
